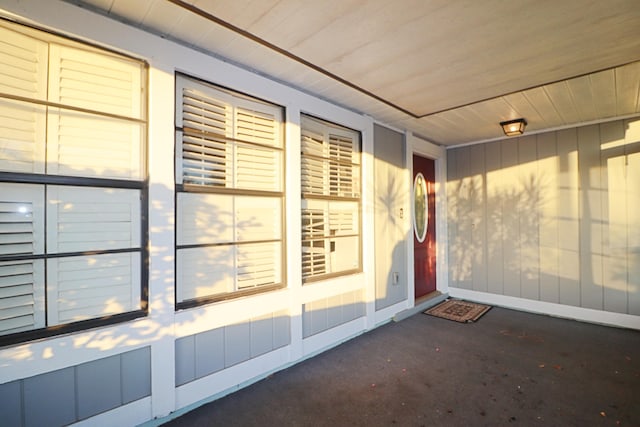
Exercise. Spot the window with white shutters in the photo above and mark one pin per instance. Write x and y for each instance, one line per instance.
(330, 181)
(229, 184)
(72, 185)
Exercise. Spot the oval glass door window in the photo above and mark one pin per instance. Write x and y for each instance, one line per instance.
(420, 207)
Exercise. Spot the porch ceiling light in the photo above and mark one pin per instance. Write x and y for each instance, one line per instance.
(513, 127)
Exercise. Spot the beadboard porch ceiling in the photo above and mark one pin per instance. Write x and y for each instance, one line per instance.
(449, 71)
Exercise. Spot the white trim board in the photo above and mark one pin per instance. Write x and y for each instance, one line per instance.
(557, 310)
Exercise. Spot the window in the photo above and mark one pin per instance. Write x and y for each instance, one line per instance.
(72, 185)
(330, 199)
(229, 186)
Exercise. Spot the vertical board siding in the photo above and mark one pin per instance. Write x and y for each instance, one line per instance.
(548, 252)
(568, 218)
(632, 158)
(530, 190)
(550, 217)
(614, 215)
(591, 287)
(390, 213)
(478, 218)
(453, 215)
(211, 351)
(510, 205)
(326, 313)
(494, 192)
(68, 395)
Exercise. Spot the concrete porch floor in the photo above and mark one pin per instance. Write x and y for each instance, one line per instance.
(509, 368)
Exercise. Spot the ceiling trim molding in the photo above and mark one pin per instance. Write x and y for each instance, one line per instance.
(203, 14)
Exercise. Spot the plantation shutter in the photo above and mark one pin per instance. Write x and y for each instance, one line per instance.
(341, 173)
(21, 281)
(231, 147)
(314, 173)
(206, 123)
(85, 144)
(258, 165)
(88, 218)
(85, 287)
(228, 142)
(23, 67)
(314, 251)
(330, 183)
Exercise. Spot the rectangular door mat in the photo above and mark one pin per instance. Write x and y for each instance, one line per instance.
(459, 311)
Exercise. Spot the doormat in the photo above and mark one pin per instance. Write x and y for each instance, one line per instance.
(459, 311)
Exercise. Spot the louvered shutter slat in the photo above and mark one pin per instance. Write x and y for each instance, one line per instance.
(23, 65)
(95, 81)
(258, 265)
(92, 286)
(19, 308)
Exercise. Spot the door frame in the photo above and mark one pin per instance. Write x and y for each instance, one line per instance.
(424, 148)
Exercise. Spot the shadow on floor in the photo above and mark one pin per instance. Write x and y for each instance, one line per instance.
(509, 368)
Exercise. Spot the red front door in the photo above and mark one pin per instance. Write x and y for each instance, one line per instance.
(424, 225)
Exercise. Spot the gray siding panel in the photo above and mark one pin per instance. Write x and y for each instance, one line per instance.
(453, 176)
(75, 393)
(185, 359)
(136, 374)
(391, 189)
(530, 197)
(510, 220)
(614, 212)
(495, 283)
(50, 399)
(261, 335)
(209, 352)
(478, 217)
(591, 291)
(11, 404)
(548, 219)
(326, 313)
(464, 221)
(561, 216)
(99, 386)
(568, 218)
(334, 311)
(237, 343)
(281, 329)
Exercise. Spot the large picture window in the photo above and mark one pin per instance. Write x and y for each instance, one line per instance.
(229, 186)
(72, 185)
(330, 176)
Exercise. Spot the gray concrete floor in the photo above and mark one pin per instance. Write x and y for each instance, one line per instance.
(510, 368)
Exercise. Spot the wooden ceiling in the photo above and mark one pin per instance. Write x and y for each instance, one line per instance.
(446, 70)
